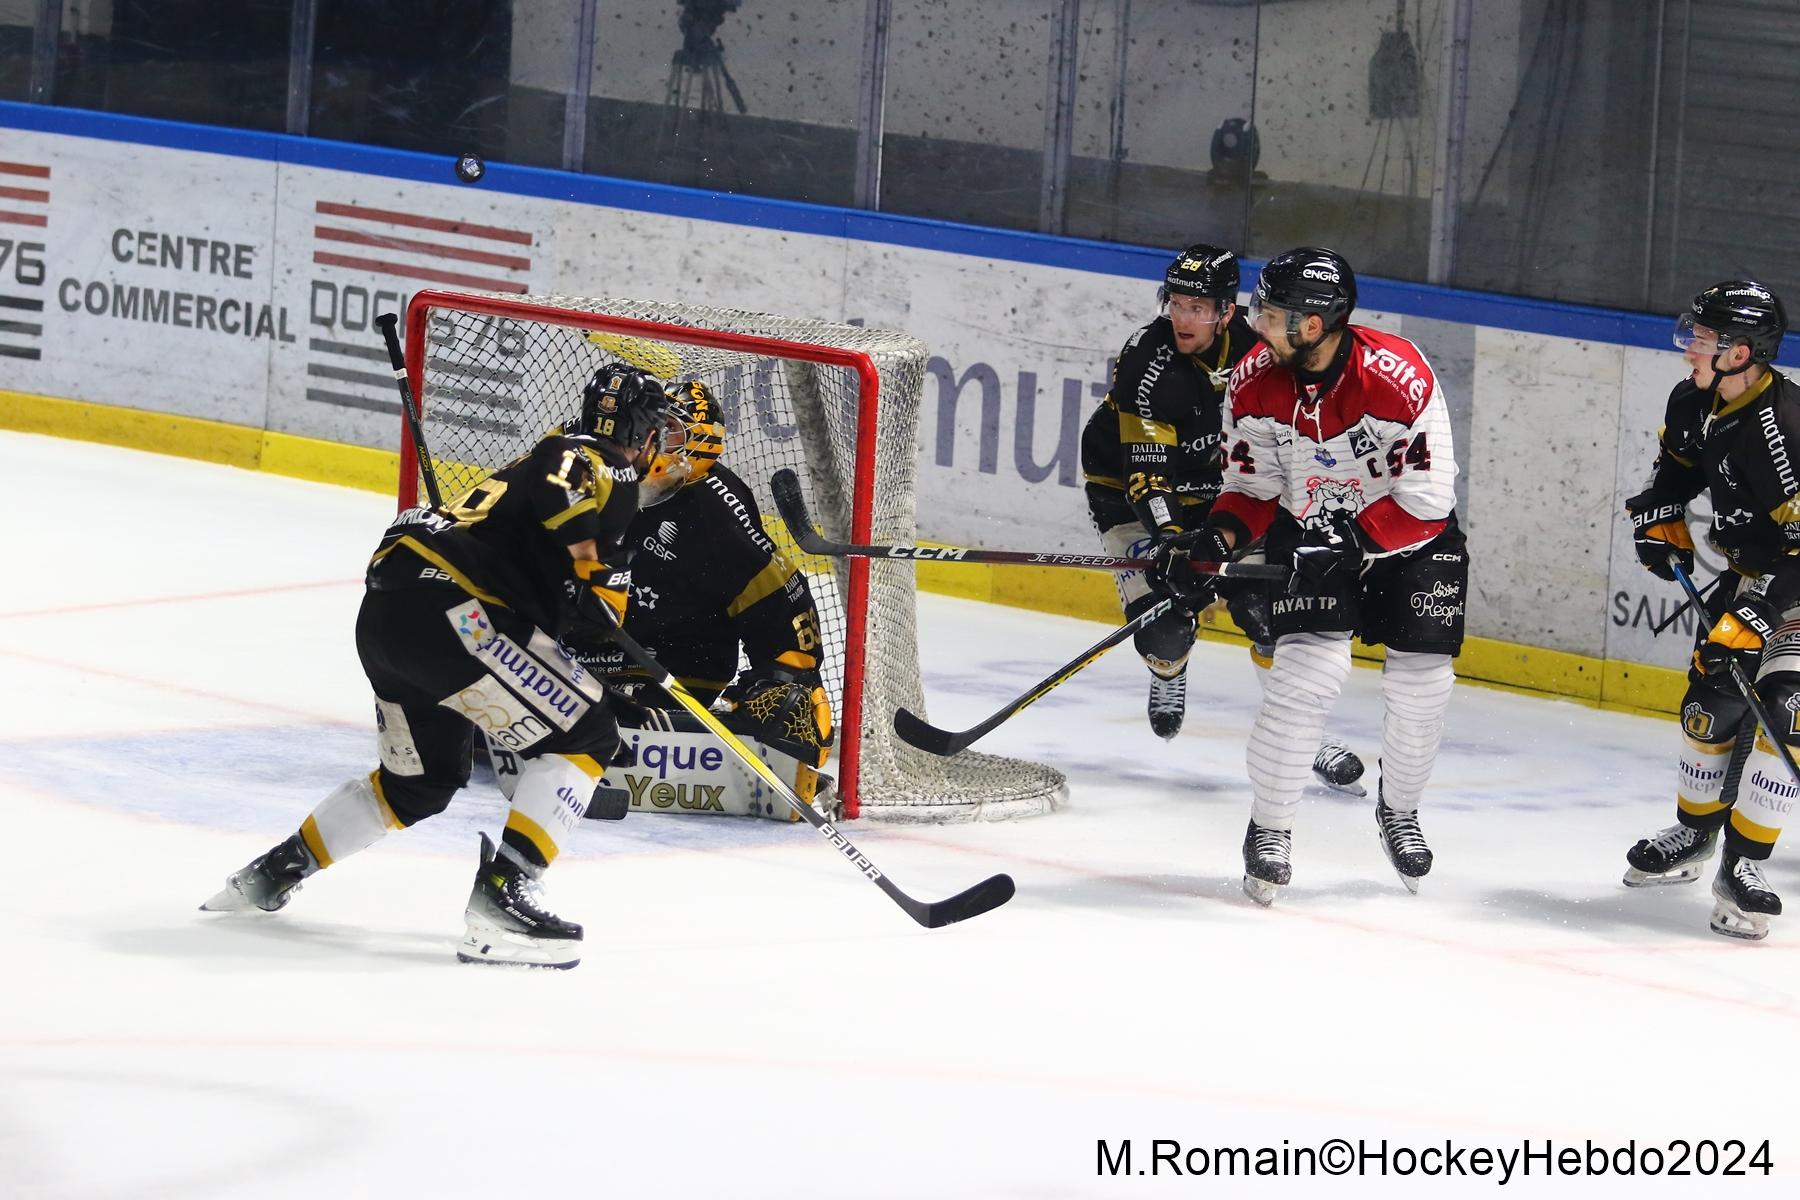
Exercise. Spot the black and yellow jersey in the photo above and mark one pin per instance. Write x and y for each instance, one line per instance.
(707, 579)
(1746, 453)
(506, 540)
(1156, 435)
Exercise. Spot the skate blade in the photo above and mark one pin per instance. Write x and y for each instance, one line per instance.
(232, 899)
(1686, 873)
(1261, 890)
(1727, 921)
(1352, 788)
(505, 947)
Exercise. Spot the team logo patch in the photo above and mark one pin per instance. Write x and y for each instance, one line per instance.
(1328, 499)
(644, 598)
(1324, 458)
(1361, 444)
(472, 625)
(1442, 603)
(1696, 721)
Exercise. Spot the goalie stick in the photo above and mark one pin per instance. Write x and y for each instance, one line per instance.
(388, 321)
(792, 505)
(989, 894)
(1742, 681)
(916, 732)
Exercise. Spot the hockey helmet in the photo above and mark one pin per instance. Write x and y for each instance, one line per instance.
(624, 405)
(1308, 280)
(1738, 311)
(1202, 270)
(696, 411)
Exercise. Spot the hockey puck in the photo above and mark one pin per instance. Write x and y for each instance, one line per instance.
(470, 168)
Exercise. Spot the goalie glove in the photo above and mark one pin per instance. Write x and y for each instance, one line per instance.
(594, 601)
(784, 708)
(1739, 634)
(1658, 529)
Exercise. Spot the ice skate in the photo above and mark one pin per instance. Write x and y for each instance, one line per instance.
(1168, 704)
(1404, 844)
(508, 923)
(1337, 767)
(1675, 855)
(1268, 862)
(268, 882)
(1743, 902)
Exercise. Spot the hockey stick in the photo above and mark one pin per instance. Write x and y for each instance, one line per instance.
(916, 732)
(388, 321)
(792, 505)
(988, 894)
(1685, 605)
(1742, 682)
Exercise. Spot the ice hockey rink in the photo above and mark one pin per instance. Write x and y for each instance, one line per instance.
(751, 1017)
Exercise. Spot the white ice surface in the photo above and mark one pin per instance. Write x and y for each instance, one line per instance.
(751, 1017)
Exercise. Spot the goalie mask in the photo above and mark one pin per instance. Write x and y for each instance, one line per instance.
(701, 440)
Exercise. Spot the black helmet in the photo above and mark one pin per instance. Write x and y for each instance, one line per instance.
(623, 404)
(1201, 270)
(1738, 310)
(1311, 279)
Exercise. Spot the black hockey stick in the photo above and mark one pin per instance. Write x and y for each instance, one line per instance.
(388, 321)
(915, 732)
(988, 894)
(792, 505)
(1741, 681)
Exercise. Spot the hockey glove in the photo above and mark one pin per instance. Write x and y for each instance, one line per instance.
(595, 602)
(1739, 634)
(1326, 557)
(1659, 528)
(1172, 573)
(786, 708)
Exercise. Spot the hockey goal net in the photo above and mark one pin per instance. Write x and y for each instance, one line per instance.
(837, 404)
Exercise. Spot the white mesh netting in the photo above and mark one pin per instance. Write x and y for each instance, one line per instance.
(499, 371)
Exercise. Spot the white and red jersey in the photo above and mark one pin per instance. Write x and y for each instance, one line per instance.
(1374, 445)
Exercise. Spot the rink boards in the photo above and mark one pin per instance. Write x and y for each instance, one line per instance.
(232, 277)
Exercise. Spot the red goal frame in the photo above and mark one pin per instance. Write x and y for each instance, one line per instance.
(863, 473)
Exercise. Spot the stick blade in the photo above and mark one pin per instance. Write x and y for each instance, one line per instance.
(916, 732)
(985, 896)
(790, 502)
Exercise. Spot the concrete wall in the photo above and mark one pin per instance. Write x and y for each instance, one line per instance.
(261, 317)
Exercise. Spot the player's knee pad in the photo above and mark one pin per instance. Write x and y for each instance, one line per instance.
(547, 805)
(1711, 711)
(1308, 672)
(352, 818)
(1166, 642)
